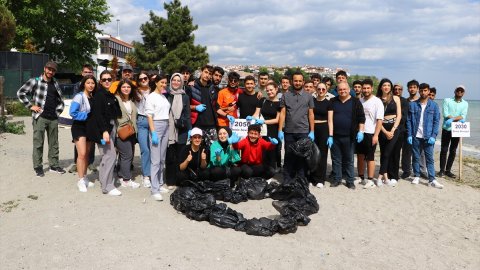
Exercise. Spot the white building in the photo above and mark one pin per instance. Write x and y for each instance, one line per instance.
(109, 47)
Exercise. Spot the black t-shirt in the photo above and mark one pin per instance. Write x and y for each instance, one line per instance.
(320, 110)
(194, 164)
(51, 102)
(342, 116)
(247, 104)
(269, 110)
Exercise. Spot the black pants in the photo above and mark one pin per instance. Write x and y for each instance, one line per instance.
(321, 136)
(171, 163)
(449, 144)
(199, 175)
(273, 158)
(220, 173)
(260, 170)
(293, 165)
(406, 154)
(394, 163)
(386, 148)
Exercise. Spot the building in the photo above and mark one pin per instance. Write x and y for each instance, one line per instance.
(110, 47)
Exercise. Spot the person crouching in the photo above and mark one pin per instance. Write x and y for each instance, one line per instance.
(252, 147)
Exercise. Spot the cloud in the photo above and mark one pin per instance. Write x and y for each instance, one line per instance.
(395, 38)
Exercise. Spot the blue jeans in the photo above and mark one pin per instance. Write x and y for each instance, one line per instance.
(420, 144)
(342, 158)
(143, 138)
(293, 165)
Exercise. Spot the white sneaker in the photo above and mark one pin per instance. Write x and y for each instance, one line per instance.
(435, 184)
(392, 183)
(319, 185)
(171, 187)
(130, 183)
(114, 192)
(81, 185)
(364, 181)
(146, 182)
(379, 183)
(164, 190)
(157, 197)
(369, 184)
(416, 180)
(89, 184)
(271, 179)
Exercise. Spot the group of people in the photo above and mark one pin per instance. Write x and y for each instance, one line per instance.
(183, 127)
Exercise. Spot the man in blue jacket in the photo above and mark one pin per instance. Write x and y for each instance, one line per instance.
(422, 125)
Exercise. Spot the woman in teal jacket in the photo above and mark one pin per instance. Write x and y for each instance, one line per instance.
(223, 158)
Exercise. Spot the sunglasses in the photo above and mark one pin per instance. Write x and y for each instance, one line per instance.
(143, 78)
(106, 79)
(233, 80)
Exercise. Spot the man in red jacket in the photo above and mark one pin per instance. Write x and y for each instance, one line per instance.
(252, 153)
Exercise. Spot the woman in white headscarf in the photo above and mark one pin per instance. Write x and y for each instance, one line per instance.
(179, 125)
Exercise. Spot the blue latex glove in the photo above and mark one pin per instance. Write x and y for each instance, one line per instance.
(461, 120)
(200, 108)
(249, 118)
(330, 142)
(234, 138)
(281, 135)
(410, 140)
(273, 140)
(231, 119)
(218, 152)
(311, 135)
(360, 136)
(431, 140)
(103, 142)
(448, 122)
(188, 134)
(154, 138)
(259, 121)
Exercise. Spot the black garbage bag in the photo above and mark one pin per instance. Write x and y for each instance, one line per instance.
(240, 194)
(307, 149)
(224, 217)
(298, 188)
(291, 210)
(194, 204)
(261, 226)
(221, 190)
(255, 187)
(287, 225)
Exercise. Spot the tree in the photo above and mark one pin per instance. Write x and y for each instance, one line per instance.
(7, 26)
(63, 29)
(169, 42)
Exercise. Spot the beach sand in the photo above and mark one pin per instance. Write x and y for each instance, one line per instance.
(45, 223)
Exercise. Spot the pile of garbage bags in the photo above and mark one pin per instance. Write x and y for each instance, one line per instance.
(293, 201)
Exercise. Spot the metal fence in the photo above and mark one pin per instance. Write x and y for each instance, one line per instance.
(18, 67)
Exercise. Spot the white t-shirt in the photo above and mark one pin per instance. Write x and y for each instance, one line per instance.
(420, 123)
(143, 98)
(128, 107)
(373, 108)
(157, 106)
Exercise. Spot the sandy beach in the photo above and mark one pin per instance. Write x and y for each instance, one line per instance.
(45, 223)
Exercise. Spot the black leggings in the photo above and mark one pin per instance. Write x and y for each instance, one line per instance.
(260, 170)
(199, 175)
(386, 148)
(321, 136)
(220, 173)
(172, 162)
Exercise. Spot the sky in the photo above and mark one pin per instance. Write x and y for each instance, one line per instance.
(432, 41)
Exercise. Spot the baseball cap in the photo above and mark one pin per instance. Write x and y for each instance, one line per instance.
(196, 131)
(127, 67)
(52, 65)
(460, 86)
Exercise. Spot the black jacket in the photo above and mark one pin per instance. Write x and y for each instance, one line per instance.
(105, 108)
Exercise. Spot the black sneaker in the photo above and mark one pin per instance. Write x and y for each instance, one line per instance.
(440, 174)
(450, 174)
(57, 170)
(39, 172)
(405, 175)
(350, 185)
(335, 184)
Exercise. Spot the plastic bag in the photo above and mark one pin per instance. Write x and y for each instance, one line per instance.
(261, 227)
(255, 187)
(307, 149)
(225, 217)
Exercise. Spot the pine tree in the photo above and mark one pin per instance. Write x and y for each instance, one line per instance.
(169, 42)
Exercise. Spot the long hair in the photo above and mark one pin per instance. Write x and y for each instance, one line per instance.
(84, 80)
(133, 94)
(380, 92)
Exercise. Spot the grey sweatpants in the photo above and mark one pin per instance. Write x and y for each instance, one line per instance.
(157, 155)
(107, 163)
(125, 157)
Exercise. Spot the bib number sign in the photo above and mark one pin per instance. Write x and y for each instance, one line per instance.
(460, 129)
(240, 126)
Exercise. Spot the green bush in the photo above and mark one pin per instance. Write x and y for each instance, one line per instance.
(16, 108)
(15, 128)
